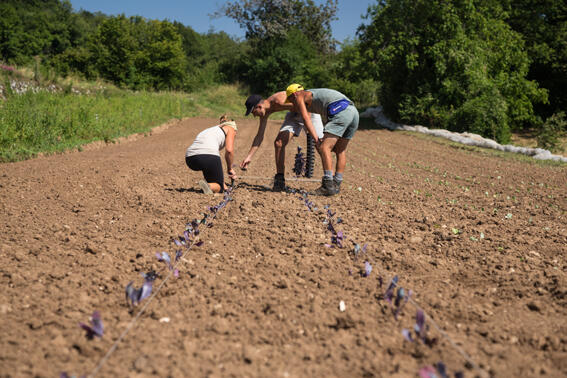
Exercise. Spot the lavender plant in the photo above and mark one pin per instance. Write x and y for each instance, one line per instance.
(337, 237)
(420, 329)
(164, 256)
(401, 299)
(389, 293)
(437, 371)
(367, 269)
(358, 250)
(134, 296)
(299, 166)
(95, 328)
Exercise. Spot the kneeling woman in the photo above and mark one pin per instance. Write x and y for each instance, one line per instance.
(204, 155)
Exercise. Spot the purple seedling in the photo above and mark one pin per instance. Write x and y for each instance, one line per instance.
(95, 328)
(420, 328)
(401, 299)
(439, 371)
(134, 296)
(164, 256)
(390, 290)
(358, 250)
(187, 238)
(65, 375)
(367, 269)
(338, 239)
(300, 162)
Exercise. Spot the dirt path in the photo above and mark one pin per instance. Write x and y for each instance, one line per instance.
(481, 242)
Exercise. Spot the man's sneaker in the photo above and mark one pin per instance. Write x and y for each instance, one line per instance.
(205, 187)
(328, 188)
(279, 183)
(338, 185)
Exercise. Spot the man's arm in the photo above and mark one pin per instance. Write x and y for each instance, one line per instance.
(256, 142)
(299, 100)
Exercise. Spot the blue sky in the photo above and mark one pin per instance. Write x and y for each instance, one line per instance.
(196, 13)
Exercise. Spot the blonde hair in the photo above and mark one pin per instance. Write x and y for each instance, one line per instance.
(224, 118)
(224, 121)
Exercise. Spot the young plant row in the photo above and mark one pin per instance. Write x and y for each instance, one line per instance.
(396, 296)
(191, 237)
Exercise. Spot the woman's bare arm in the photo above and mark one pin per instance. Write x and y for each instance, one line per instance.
(229, 150)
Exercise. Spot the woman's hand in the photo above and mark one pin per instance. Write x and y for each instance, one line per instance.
(232, 174)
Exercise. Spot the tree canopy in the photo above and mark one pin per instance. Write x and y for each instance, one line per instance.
(484, 66)
(273, 19)
(450, 65)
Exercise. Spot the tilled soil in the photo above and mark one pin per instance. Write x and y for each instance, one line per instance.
(479, 240)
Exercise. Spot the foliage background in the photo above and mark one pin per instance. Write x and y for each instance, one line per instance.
(484, 66)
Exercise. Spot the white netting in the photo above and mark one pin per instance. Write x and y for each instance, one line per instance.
(464, 138)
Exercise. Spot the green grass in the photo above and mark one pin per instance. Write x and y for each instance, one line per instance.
(44, 122)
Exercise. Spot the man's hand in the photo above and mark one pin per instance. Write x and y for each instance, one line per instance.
(244, 164)
(232, 174)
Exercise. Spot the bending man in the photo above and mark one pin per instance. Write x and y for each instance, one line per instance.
(341, 122)
(292, 125)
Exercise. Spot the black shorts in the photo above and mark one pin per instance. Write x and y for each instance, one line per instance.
(210, 165)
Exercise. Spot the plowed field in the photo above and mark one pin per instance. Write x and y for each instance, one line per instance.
(480, 241)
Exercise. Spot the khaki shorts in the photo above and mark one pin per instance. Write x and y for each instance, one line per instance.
(293, 123)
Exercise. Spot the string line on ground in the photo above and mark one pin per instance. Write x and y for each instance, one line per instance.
(133, 322)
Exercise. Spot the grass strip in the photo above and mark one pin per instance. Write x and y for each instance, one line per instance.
(44, 122)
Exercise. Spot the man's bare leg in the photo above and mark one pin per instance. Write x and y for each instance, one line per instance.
(325, 150)
(340, 151)
(279, 148)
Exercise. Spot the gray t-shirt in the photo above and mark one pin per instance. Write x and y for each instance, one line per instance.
(209, 142)
(322, 97)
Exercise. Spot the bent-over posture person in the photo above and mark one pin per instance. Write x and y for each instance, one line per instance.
(204, 155)
(340, 118)
(292, 125)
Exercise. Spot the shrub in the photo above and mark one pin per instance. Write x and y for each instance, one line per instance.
(554, 128)
(450, 64)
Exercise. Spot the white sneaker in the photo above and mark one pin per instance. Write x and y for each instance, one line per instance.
(205, 187)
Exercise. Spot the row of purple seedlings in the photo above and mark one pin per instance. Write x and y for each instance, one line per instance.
(303, 165)
(300, 163)
(395, 295)
(135, 295)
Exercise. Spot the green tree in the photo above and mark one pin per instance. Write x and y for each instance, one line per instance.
(212, 58)
(554, 128)
(543, 25)
(138, 54)
(161, 60)
(31, 28)
(450, 65)
(113, 48)
(348, 72)
(289, 40)
(273, 19)
(281, 61)
(11, 34)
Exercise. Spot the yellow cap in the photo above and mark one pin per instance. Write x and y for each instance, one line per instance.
(291, 89)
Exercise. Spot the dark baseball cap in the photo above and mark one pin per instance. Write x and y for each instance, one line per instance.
(251, 102)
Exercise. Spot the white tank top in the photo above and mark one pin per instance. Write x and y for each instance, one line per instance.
(209, 142)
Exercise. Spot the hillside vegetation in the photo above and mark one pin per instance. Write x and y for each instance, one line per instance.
(61, 116)
(488, 67)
